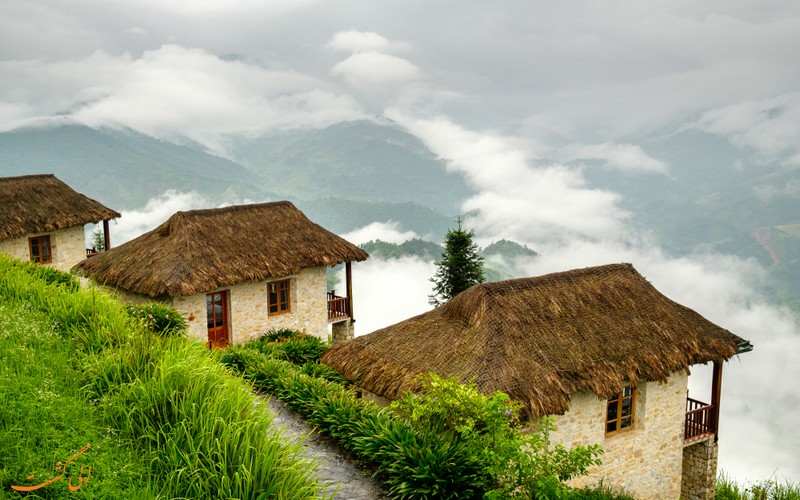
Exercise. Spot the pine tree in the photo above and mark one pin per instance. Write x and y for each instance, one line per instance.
(98, 240)
(460, 266)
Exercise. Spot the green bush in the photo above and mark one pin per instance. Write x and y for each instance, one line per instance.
(53, 276)
(323, 371)
(158, 318)
(294, 347)
(521, 464)
(416, 463)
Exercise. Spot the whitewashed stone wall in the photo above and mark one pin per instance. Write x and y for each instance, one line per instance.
(68, 247)
(645, 461)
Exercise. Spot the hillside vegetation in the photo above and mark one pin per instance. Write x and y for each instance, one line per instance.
(162, 417)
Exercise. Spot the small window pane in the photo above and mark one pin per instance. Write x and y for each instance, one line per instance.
(625, 422)
(612, 411)
(611, 426)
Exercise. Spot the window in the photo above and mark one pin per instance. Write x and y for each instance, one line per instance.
(40, 249)
(278, 297)
(619, 413)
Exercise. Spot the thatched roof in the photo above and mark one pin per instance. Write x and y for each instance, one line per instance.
(541, 339)
(43, 203)
(202, 250)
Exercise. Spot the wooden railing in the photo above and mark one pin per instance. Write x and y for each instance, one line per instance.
(699, 420)
(91, 252)
(338, 307)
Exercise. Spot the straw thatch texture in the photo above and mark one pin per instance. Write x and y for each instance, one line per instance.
(43, 203)
(540, 339)
(203, 250)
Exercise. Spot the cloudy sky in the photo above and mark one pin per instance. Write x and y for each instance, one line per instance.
(489, 87)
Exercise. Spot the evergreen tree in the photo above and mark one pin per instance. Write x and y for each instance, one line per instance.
(460, 266)
(98, 240)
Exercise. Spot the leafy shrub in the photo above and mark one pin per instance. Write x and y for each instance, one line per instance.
(415, 462)
(323, 371)
(294, 347)
(522, 465)
(158, 318)
(279, 334)
(53, 276)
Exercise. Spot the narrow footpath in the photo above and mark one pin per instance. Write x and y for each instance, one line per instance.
(335, 467)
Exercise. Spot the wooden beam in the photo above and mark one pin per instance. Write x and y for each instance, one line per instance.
(106, 235)
(348, 273)
(716, 393)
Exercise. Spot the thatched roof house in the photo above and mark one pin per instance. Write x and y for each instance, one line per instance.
(42, 219)
(42, 204)
(235, 272)
(541, 340)
(202, 250)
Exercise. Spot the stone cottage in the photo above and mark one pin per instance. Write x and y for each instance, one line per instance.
(236, 272)
(42, 220)
(600, 349)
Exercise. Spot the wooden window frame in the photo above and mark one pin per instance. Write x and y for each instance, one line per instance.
(617, 403)
(283, 289)
(44, 257)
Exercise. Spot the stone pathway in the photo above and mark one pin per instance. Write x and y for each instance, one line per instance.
(335, 467)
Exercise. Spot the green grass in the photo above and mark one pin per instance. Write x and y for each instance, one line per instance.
(768, 489)
(45, 417)
(164, 419)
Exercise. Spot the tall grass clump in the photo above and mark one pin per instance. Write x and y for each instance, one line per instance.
(768, 489)
(189, 428)
(204, 433)
(45, 418)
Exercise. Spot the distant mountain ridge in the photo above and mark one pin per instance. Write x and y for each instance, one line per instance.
(121, 168)
(358, 160)
(716, 197)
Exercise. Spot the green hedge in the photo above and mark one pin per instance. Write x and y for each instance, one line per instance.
(414, 463)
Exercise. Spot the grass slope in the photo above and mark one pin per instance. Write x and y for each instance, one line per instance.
(163, 417)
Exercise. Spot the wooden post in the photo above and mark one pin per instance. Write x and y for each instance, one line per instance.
(106, 235)
(348, 273)
(716, 392)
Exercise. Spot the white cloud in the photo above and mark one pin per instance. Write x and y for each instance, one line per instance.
(384, 231)
(136, 32)
(171, 91)
(623, 157)
(365, 70)
(134, 223)
(363, 41)
(386, 292)
(530, 203)
(770, 126)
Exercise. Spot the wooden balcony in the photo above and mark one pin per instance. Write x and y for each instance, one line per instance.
(700, 421)
(338, 307)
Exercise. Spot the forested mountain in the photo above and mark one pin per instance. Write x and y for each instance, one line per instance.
(718, 198)
(122, 168)
(358, 160)
(715, 197)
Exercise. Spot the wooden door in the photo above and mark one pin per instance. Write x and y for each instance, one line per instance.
(217, 315)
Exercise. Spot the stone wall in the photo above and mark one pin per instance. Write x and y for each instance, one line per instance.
(248, 308)
(68, 247)
(644, 461)
(700, 470)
